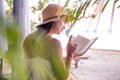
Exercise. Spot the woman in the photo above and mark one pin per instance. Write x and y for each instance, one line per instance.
(44, 53)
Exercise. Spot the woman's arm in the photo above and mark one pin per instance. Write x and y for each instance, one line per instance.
(58, 64)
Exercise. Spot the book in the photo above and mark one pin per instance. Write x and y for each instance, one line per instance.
(83, 43)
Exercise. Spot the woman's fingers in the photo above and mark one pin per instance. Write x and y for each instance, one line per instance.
(70, 38)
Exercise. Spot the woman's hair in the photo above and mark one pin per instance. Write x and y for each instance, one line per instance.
(46, 27)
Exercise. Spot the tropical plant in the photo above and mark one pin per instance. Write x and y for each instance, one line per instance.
(91, 9)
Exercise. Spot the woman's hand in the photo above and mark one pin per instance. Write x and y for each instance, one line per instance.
(70, 48)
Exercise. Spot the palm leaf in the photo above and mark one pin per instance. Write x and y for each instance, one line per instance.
(105, 5)
(112, 16)
(87, 5)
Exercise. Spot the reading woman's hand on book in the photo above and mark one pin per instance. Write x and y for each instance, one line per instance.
(70, 48)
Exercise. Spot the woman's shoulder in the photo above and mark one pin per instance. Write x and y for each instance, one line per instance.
(55, 42)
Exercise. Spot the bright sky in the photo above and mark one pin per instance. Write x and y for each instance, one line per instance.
(106, 40)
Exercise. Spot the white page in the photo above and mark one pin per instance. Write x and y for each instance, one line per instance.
(88, 45)
(83, 44)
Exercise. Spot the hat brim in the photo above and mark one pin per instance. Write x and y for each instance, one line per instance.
(49, 20)
(65, 18)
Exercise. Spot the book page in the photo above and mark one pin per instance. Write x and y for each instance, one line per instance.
(88, 45)
(83, 44)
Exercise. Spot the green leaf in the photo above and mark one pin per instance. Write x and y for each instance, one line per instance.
(105, 5)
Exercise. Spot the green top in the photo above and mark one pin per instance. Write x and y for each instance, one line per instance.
(37, 44)
(40, 69)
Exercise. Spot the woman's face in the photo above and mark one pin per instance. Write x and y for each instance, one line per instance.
(58, 27)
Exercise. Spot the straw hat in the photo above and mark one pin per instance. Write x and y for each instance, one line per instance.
(53, 12)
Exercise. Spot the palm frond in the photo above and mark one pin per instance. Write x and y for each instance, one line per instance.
(105, 5)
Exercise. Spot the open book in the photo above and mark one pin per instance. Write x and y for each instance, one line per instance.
(83, 43)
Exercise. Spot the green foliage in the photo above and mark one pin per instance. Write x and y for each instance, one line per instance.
(9, 11)
(14, 54)
(10, 2)
(105, 5)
